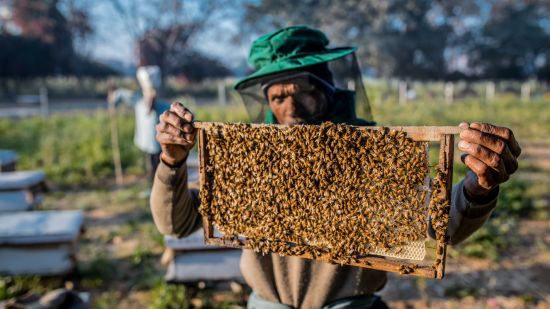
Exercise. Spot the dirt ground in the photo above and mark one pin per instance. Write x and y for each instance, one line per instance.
(519, 279)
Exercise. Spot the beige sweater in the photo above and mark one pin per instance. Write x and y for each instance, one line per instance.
(294, 281)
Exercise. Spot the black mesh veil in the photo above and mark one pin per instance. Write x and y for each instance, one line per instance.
(347, 75)
(343, 73)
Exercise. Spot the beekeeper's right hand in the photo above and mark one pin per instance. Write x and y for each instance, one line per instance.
(175, 134)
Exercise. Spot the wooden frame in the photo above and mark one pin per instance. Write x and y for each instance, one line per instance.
(443, 135)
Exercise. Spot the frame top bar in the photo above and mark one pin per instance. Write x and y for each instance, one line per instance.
(417, 133)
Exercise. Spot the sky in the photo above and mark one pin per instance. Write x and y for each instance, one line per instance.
(113, 42)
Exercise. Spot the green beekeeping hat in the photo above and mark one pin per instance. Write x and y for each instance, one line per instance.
(289, 49)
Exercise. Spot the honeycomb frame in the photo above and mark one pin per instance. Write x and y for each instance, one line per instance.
(439, 205)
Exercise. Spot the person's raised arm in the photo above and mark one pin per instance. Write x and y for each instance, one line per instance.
(173, 205)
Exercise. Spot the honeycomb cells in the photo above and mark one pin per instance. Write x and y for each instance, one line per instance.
(330, 189)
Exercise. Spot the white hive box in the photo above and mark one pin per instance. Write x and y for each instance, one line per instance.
(194, 266)
(21, 180)
(191, 260)
(39, 243)
(11, 201)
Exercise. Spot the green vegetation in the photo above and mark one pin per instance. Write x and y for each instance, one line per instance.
(73, 150)
(168, 296)
(497, 234)
(20, 285)
(76, 150)
(528, 120)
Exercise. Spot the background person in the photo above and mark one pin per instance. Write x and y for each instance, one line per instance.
(147, 107)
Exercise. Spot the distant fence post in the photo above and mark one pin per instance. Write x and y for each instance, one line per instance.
(402, 92)
(44, 104)
(115, 145)
(222, 98)
(525, 92)
(490, 92)
(449, 92)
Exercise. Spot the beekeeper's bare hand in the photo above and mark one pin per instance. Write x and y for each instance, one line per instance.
(491, 153)
(175, 134)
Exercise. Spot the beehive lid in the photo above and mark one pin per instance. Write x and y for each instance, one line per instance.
(20, 180)
(40, 227)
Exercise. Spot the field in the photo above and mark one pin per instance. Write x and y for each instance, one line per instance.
(505, 264)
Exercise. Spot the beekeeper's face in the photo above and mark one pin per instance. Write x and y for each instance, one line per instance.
(297, 101)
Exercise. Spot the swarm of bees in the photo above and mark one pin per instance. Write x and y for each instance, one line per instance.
(333, 190)
(407, 269)
(439, 211)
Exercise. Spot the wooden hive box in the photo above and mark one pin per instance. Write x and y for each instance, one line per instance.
(429, 206)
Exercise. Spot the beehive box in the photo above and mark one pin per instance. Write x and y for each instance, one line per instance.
(359, 196)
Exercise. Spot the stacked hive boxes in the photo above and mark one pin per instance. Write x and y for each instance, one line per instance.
(34, 242)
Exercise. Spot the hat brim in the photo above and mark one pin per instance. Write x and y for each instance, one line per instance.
(297, 62)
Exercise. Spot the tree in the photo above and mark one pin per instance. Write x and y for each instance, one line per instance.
(22, 57)
(162, 29)
(44, 42)
(157, 46)
(42, 20)
(409, 44)
(396, 38)
(196, 66)
(424, 39)
(512, 42)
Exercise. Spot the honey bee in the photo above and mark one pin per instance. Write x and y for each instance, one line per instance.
(331, 192)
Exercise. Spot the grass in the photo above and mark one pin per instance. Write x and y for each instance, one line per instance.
(498, 234)
(166, 296)
(527, 120)
(76, 150)
(17, 286)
